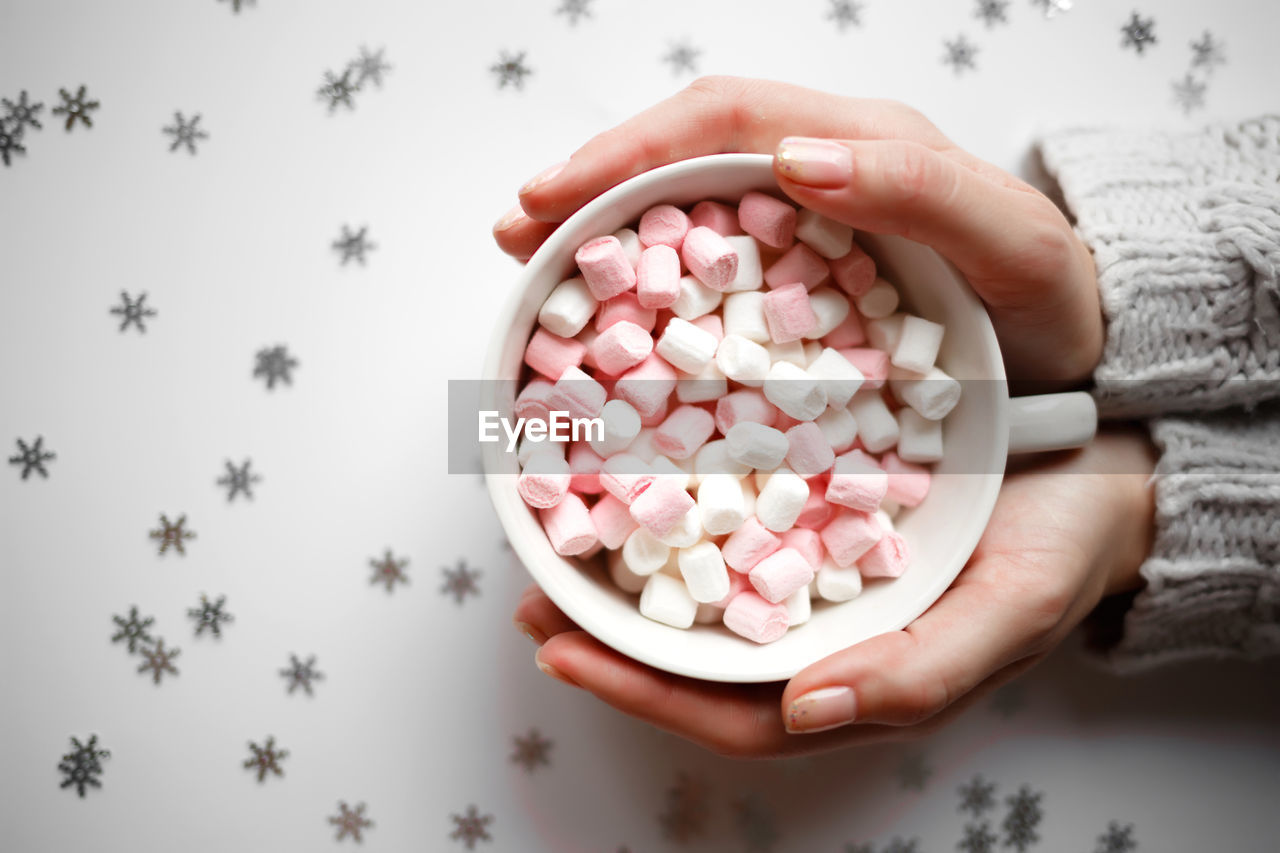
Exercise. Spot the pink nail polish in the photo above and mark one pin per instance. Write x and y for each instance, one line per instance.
(822, 709)
(511, 217)
(543, 176)
(818, 163)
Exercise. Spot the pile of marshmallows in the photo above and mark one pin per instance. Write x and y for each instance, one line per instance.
(751, 413)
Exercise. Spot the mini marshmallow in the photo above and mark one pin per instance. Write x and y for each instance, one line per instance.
(825, 236)
(710, 258)
(808, 543)
(625, 307)
(838, 584)
(885, 520)
(706, 386)
(918, 345)
(884, 333)
(873, 364)
(742, 360)
(795, 392)
(528, 447)
(781, 573)
(749, 544)
(647, 385)
(584, 469)
(855, 272)
(613, 522)
(569, 527)
(933, 394)
(687, 530)
(808, 453)
(568, 309)
(769, 220)
(578, 394)
(908, 483)
(665, 599)
(695, 299)
(625, 475)
(660, 507)
(654, 419)
(886, 559)
(830, 307)
(550, 354)
(643, 554)
(791, 352)
(684, 431)
(712, 325)
(750, 273)
(544, 480)
(744, 316)
(625, 579)
(756, 445)
(751, 616)
(605, 267)
(877, 427)
(534, 400)
(746, 404)
(799, 607)
(686, 347)
(669, 470)
(850, 535)
(857, 482)
(663, 225)
(720, 218)
(788, 313)
(816, 511)
(839, 379)
(621, 426)
(721, 502)
(880, 300)
(781, 499)
(799, 263)
(713, 458)
(631, 246)
(658, 277)
(705, 576)
(587, 337)
(849, 333)
(642, 444)
(838, 427)
(919, 439)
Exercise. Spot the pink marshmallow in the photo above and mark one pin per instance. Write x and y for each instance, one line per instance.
(613, 522)
(886, 559)
(855, 272)
(720, 218)
(850, 535)
(788, 313)
(744, 405)
(799, 263)
(857, 482)
(710, 258)
(534, 400)
(873, 364)
(664, 225)
(544, 481)
(550, 355)
(769, 220)
(748, 545)
(621, 347)
(660, 507)
(658, 277)
(908, 482)
(807, 542)
(848, 334)
(738, 582)
(780, 574)
(658, 416)
(569, 526)
(625, 475)
(605, 267)
(684, 431)
(625, 307)
(808, 453)
(751, 616)
(578, 394)
(710, 323)
(584, 469)
(816, 511)
(647, 385)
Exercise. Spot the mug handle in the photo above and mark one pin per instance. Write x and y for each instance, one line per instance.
(1051, 422)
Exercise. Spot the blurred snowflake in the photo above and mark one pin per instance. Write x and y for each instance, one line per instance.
(686, 812)
(274, 363)
(10, 142)
(185, 132)
(336, 90)
(914, 772)
(301, 674)
(266, 758)
(574, 10)
(532, 751)
(1117, 839)
(350, 822)
(1051, 8)
(977, 796)
(510, 70)
(388, 571)
(76, 108)
(210, 615)
(133, 631)
(978, 838)
(236, 5)
(370, 67)
(845, 14)
(960, 53)
(1207, 53)
(460, 582)
(1139, 33)
(32, 457)
(755, 824)
(158, 660)
(1188, 93)
(172, 534)
(354, 244)
(900, 845)
(992, 12)
(1023, 817)
(134, 311)
(682, 57)
(471, 827)
(239, 480)
(20, 114)
(83, 765)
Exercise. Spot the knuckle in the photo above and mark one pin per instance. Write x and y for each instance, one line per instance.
(912, 171)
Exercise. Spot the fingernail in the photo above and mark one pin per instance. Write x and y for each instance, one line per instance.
(543, 176)
(511, 217)
(531, 632)
(822, 709)
(552, 671)
(818, 163)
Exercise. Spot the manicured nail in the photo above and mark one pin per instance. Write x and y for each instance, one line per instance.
(818, 163)
(822, 709)
(511, 217)
(552, 671)
(543, 176)
(531, 632)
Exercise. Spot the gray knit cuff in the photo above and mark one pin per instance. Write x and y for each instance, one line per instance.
(1185, 232)
(1213, 576)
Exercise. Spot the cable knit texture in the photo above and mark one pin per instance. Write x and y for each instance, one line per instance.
(1185, 231)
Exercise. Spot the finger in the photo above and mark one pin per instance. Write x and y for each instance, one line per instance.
(518, 235)
(715, 115)
(539, 618)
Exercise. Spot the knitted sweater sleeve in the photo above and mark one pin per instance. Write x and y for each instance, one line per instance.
(1185, 232)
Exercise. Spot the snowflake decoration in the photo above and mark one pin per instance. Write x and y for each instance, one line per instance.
(158, 660)
(510, 70)
(266, 758)
(301, 674)
(210, 615)
(32, 457)
(460, 582)
(977, 796)
(370, 67)
(337, 90)
(1009, 700)
(532, 751)
(1117, 839)
(845, 13)
(978, 838)
(237, 4)
(914, 772)
(350, 821)
(185, 132)
(1023, 818)
(685, 816)
(682, 57)
(1206, 53)
(1188, 93)
(900, 845)
(133, 311)
(133, 631)
(755, 824)
(574, 10)
(171, 533)
(10, 143)
(19, 114)
(388, 571)
(992, 12)
(1139, 33)
(960, 53)
(76, 108)
(471, 827)
(83, 765)
(354, 244)
(274, 363)
(239, 480)
(1051, 8)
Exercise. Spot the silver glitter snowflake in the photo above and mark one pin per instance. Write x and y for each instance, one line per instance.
(902, 845)
(239, 480)
(1139, 33)
(992, 12)
(683, 58)
(10, 143)
(133, 311)
(266, 758)
(977, 796)
(76, 108)
(1207, 53)
(133, 630)
(388, 571)
(574, 10)
(460, 582)
(914, 772)
(274, 363)
(158, 660)
(209, 615)
(83, 765)
(471, 827)
(370, 67)
(959, 53)
(350, 822)
(1051, 8)
(172, 534)
(685, 815)
(354, 244)
(845, 14)
(20, 114)
(978, 838)
(1117, 839)
(300, 674)
(1188, 93)
(1023, 817)
(510, 70)
(755, 824)
(236, 5)
(32, 457)
(337, 90)
(185, 132)
(532, 751)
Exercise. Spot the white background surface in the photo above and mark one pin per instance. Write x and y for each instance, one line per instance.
(422, 697)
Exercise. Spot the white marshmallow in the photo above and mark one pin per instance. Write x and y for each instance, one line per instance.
(918, 344)
(702, 387)
(885, 521)
(880, 300)
(837, 584)
(743, 360)
(919, 439)
(686, 347)
(794, 391)
(713, 458)
(528, 447)
(665, 599)
(568, 309)
(704, 573)
(839, 428)
(631, 245)
(670, 471)
(799, 607)
(722, 504)
(877, 427)
(825, 236)
(791, 352)
(812, 349)
(744, 316)
(831, 307)
(695, 299)
(750, 268)
(625, 579)
(748, 497)
(621, 426)
(687, 532)
(884, 334)
(933, 395)
(642, 444)
(643, 553)
(839, 379)
(756, 445)
(781, 500)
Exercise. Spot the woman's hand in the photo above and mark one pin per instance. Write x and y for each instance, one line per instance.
(878, 166)
(1063, 534)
